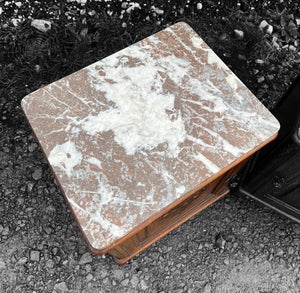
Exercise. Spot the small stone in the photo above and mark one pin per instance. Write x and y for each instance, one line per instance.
(55, 250)
(280, 252)
(88, 268)
(291, 250)
(260, 79)
(20, 200)
(23, 260)
(297, 229)
(207, 288)
(89, 277)
(259, 61)
(41, 25)
(242, 57)
(47, 229)
(34, 255)
(102, 273)
(199, 6)
(85, 258)
(61, 287)
(134, 280)
(2, 264)
(226, 261)
(223, 37)
(266, 27)
(239, 34)
(5, 231)
(143, 285)
(214, 275)
(106, 282)
(37, 174)
(6, 149)
(220, 241)
(118, 274)
(32, 147)
(50, 264)
(227, 206)
(125, 282)
(8, 191)
(292, 48)
(30, 186)
(298, 21)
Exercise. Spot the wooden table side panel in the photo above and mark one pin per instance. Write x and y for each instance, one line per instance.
(165, 223)
(175, 217)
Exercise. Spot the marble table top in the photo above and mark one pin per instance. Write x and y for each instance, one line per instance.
(132, 134)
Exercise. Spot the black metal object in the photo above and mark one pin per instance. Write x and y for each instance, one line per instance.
(272, 176)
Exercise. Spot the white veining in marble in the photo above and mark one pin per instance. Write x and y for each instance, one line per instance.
(138, 121)
(65, 156)
(132, 133)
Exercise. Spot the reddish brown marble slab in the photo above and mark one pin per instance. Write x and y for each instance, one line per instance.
(131, 134)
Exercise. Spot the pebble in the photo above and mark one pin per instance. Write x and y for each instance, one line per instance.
(297, 229)
(114, 283)
(106, 282)
(260, 79)
(85, 258)
(6, 149)
(220, 241)
(41, 25)
(143, 285)
(22, 261)
(259, 61)
(239, 34)
(62, 287)
(280, 252)
(227, 206)
(199, 6)
(5, 231)
(88, 268)
(47, 229)
(291, 250)
(30, 186)
(118, 274)
(134, 280)
(125, 282)
(207, 288)
(55, 250)
(102, 273)
(37, 174)
(265, 26)
(226, 261)
(50, 263)
(2, 264)
(89, 277)
(34, 255)
(32, 147)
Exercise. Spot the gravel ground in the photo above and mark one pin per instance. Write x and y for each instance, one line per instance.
(236, 245)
